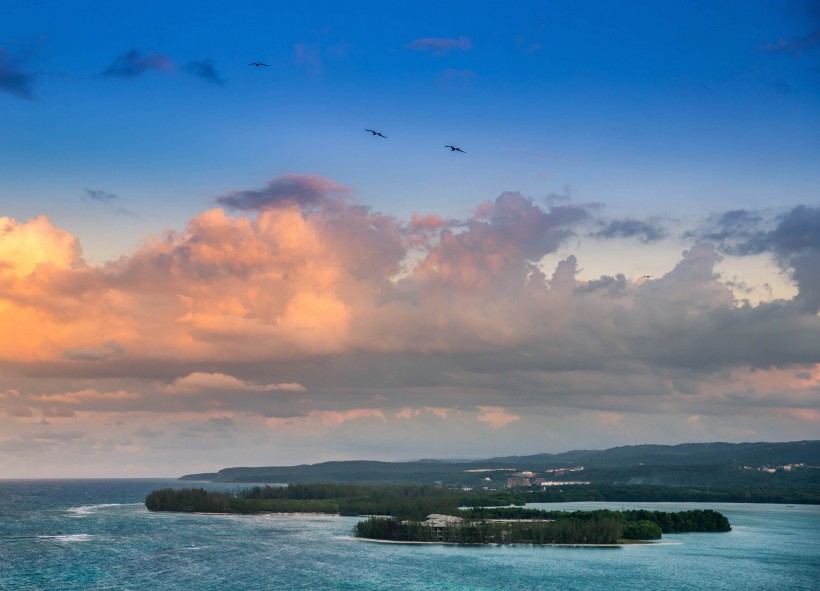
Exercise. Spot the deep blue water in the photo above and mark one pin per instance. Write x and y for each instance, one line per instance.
(96, 534)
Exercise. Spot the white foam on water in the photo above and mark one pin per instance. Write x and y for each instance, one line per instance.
(69, 538)
(86, 510)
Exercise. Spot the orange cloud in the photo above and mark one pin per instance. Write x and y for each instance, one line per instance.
(328, 418)
(86, 395)
(496, 416)
(203, 382)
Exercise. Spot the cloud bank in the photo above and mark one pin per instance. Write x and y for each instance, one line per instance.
(299, 316)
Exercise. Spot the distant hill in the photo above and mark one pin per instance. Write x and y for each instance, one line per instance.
(703, 464)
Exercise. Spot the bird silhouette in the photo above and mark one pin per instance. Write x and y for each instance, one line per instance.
(646, 276)
(454, 149)
(376, 133)
(257, 64)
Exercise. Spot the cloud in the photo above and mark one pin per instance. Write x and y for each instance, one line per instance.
(132, 64)
(793, 238)
(205, 382)
(408, 412)
(24, 247)
(500, 242)
(89, 395)
(148, 433)
(206, 70)
(327, 418)
(496, 416)
(729, 226)
(794, 46)
(105, 351)
(13, 78)
(308, 57)
(100, 195)
(310, 286)
(304, 190)
(645, 231)
(617, 285)
(440, 45)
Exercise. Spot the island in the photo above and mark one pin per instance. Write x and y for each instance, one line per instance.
(423, 513)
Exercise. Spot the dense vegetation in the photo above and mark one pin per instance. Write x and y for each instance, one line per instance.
(505, 525)
(602, 529)
(696, 520)
(403, 501)
(404, 507)
(655, 493)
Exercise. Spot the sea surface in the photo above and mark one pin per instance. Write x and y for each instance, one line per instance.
(96, 534)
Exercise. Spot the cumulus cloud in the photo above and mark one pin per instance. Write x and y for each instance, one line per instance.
(205, 382)
(313, 274)
(793, 238)
(133, 63)
(394, 322)
(14, 79)
(440, 45)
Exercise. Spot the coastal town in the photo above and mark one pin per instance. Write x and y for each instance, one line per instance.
(529, 479)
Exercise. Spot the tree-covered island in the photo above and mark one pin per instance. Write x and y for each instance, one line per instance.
(413, 513)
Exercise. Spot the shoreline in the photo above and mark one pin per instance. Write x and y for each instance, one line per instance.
(618, 545)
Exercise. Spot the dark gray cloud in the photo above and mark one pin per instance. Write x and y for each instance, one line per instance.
(608, 284)
(100, 195)
(13, 78)
(793, 239)
(645, 231)
(103, 353)
(736, 232)
(133, 63)
(293, 189)
(206, 70)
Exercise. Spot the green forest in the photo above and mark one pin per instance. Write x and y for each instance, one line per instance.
(408, 501)
(570, 530)
(505, 525)
(396, 512)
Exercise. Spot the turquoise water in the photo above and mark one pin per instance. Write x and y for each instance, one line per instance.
(96, 534)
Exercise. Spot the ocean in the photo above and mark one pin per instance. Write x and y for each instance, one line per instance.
(97, 535)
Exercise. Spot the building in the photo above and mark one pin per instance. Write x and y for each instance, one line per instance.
(515, 482)
(439, 522)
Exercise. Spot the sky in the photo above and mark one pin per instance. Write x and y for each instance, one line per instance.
(206, 263)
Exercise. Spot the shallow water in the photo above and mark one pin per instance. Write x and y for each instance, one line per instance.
(96, 534)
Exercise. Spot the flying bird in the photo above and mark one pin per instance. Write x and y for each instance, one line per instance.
(646, 276)
(257, 64)
(376, 133)
(454, 149)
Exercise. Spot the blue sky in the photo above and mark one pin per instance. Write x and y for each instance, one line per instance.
(645, 107)
(631, 130)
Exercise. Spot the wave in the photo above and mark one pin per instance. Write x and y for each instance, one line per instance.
(69, 538)
(85, 510)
